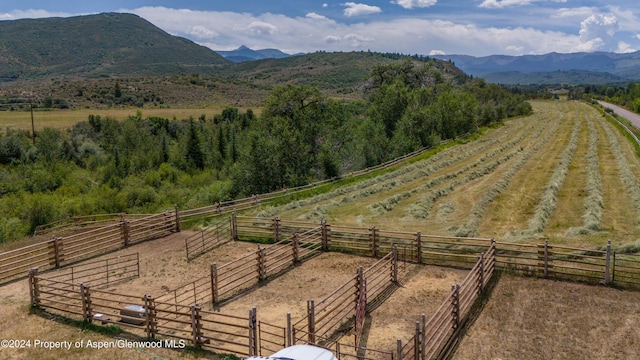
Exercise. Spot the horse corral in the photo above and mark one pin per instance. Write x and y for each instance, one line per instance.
(293, 291)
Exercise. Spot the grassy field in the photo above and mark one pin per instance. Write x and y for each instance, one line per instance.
(564, 173)
(529, 318)
(61, 119)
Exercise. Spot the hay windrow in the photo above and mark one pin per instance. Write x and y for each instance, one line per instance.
(628, 178)
(480, 207)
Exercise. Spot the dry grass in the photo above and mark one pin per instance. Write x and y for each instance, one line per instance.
(62, 119)
(498, 185)
(530, 318)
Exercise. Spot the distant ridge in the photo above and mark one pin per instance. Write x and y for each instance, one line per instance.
(96, 45)
(244, 53)
(537, 69)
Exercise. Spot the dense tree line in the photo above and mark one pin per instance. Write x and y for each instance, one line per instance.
(302, 135)
(624, 95)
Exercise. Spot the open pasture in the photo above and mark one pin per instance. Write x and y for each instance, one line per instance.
(564, 173)
(528, 318)
(66, 118)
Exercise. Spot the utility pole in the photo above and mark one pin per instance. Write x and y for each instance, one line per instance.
(33, 127)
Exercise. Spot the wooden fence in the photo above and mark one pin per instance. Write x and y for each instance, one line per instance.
(348, 302)
(145, 316)
(62, 251)
(99, 273)
(225, 281)
(209, 238)
(84, 222)
(434, 338)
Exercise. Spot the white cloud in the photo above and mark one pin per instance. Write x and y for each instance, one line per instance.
(262, 28)
(32, 14)
(623, 47)
(315, 16)
(405, 35)
(409, 35)
(437, 52)
(596, 32)
(514, 49)
(499, 4)
(579, 12)
(355, 9)
(202, 32)
(410, 4)
(331, 39)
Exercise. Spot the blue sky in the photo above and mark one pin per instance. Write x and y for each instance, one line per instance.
(471, 27)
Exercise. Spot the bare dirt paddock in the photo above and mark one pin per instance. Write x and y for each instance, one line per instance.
(529, 318)
(163, 267)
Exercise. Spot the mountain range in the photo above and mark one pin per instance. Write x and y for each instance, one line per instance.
(243, 54)
(118, 44)
(96, 45)
(552, 68)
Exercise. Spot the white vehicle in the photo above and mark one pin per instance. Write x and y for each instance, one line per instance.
(299, 352)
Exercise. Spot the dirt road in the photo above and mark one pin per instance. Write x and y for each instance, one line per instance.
(631, 116)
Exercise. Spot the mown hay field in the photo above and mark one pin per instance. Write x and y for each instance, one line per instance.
(66, 118)
(565, 174)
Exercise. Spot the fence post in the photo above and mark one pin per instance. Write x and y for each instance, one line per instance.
(455, 302)
(545, 258)
(394, 264)
(86, 303)
(253, 332)
(214, 283)
(613, 268)
(423, 337)
(34, 292)
(416, 342)
(55, 252)
(419, 247)
(124, 224)
(178, 228)
(360, 284)
(481, 269)
(196, 325)
(276, 229)
(325, 235)
(374, 242)
(289, 336)
(234, 226)
(262, 266)
(399, 349)
(150, 316)
(296, 252)
(607, 266)
(311, 326)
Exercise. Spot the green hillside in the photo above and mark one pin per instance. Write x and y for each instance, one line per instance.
(96, 45)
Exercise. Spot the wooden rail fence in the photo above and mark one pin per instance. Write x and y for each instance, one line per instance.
(147, 316)
(62, 251)
(99, 273)
(434, 338)
(209, 238)
(180, 310)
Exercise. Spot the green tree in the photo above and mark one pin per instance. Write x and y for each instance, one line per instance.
(194, 155)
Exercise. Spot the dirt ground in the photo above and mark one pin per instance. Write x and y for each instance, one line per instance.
(163, 267)
(529, 318)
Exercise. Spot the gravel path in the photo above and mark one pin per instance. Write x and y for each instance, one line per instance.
(633, 117)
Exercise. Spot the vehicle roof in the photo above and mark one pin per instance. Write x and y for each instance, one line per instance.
(301, 352)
